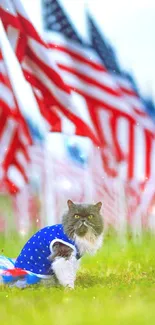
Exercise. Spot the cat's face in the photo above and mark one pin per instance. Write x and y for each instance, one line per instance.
(83, 218)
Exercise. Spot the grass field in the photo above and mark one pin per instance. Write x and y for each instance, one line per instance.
(117, 286)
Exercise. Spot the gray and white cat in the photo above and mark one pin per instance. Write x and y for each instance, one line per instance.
(84, 224)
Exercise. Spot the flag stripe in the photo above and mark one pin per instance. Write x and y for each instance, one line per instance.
(14, 136)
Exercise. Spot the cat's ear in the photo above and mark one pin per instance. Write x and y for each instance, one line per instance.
(98, 206)
(70, 204)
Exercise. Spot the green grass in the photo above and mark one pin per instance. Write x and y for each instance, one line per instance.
(117, 286)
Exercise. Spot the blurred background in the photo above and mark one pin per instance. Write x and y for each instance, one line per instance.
(77, 112)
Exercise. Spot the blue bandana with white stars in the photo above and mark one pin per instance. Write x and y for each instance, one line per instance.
(35, 253)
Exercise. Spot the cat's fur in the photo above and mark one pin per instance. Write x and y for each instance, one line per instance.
(87, 234)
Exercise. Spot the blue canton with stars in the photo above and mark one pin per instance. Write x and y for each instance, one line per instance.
(35, 253)
(55, 19)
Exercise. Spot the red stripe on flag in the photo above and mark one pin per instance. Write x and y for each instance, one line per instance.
(74, 55)
(119, 154)
(48, 71)
(21, 47)
(89, 80)
(131, 152)
(8, 18)
(148, 151)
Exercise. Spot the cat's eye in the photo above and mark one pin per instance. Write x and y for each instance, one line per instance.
(76, 216)
(90, 216)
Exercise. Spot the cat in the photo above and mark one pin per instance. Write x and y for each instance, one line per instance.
(82, 223)
(54, 252)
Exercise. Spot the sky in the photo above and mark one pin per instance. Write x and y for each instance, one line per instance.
(128, 24)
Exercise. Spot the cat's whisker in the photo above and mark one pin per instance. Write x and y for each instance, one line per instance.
(79, 225)
(90, 223)
(86, 224)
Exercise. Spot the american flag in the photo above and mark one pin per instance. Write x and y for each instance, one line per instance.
(15, 138)
(140, 134)
(114, 106)
(57, 102)
(84, 73)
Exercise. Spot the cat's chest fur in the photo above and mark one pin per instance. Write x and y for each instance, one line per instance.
(88, 244)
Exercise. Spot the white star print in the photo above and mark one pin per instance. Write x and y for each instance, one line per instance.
(31, 258)
(58, 233)
(36, 250)
(43, 264)
(33, 242)
(24, 255)
(35, 263)
(45, 232)
(28, 262)
(31, 269)
(39, 258)
(38, 237)
(29, 249)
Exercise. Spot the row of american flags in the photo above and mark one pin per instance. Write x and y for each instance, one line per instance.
(77, 89)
